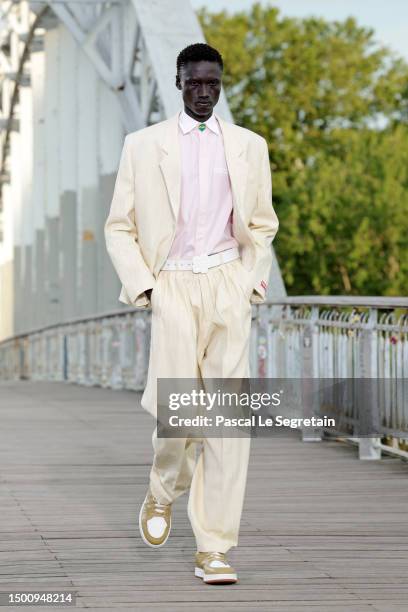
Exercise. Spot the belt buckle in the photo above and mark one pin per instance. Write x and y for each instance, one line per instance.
(200, 263)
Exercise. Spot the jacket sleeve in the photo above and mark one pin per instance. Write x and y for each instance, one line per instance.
(263, 225)
(121, 235)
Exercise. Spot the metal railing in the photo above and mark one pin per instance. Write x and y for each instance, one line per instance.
(338, 337)
(291, 337)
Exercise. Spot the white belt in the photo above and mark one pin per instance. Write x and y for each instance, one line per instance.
(201, 263)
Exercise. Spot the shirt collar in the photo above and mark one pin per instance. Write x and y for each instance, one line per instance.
(187, 123)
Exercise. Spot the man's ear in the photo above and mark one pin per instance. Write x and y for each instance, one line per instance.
(178, 83)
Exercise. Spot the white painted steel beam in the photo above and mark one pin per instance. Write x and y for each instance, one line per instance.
(75, 77)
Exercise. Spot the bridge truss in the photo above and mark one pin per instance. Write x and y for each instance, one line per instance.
(75, 76)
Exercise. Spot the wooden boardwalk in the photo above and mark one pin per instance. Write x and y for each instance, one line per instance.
(321, 530)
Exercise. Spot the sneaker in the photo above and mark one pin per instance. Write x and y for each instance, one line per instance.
(154, 521)
(214, 568)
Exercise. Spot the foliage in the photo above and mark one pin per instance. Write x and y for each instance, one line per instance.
(333, 106)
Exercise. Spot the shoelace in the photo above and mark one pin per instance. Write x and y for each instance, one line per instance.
(217, 556)
(159, 507)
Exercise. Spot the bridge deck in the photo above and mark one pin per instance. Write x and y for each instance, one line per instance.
(320, 530)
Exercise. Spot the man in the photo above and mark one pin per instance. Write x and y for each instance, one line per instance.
(189, 233)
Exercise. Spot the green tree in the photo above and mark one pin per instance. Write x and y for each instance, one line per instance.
(333, 106)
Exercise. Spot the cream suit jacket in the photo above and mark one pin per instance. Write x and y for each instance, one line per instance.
(141, 224)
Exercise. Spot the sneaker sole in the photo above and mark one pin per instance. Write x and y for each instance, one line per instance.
(145, 540)
(215, 579)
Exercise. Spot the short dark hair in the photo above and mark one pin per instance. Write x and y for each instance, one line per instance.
(199, 52)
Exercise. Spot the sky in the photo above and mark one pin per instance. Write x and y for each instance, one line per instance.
(389, 18)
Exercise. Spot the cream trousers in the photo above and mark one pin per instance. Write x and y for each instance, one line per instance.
(201, 326)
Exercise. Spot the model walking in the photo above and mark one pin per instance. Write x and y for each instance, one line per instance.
(189, 232)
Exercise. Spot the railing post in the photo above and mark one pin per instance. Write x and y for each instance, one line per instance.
(310, 372)
(65, 357)
(368, 448)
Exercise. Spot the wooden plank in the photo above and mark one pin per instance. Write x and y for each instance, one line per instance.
(320, 529)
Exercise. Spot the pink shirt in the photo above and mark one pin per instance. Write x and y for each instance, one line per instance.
(204, 223)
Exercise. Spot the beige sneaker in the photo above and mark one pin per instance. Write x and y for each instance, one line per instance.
(154, 521)
(214, 568)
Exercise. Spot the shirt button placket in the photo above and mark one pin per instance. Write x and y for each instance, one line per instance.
(201, 247)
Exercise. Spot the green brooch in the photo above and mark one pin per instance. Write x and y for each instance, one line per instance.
(201, 127)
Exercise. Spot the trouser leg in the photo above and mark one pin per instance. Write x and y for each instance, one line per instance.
(217, 493)
(173, 466)
(218, 485)
(172, 355)
(201, 325)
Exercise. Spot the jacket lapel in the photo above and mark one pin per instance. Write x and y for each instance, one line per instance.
(170, 162)
(237, 166)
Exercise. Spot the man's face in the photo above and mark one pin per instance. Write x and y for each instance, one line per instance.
(200, 83)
